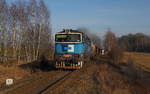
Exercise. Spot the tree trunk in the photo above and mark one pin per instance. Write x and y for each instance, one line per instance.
(14, 40)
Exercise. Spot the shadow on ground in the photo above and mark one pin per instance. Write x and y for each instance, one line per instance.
(41, 65)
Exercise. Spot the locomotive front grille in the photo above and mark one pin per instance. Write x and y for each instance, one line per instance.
(69, 64)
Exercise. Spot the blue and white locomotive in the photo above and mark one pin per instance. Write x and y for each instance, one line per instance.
(72, 49)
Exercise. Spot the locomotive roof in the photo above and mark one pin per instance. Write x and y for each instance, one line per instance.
(71, 31)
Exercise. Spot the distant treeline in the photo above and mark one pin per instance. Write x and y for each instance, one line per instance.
(138, 42)
(115, 46)
(25, 30)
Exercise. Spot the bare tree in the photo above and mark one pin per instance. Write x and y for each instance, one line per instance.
(111, 45)
(110, 40)
(3, 28)
(25, 30)
(45, 29)
(14, 15)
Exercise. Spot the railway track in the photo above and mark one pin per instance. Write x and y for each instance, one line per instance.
(41, 83)
(38, 85)
(54, 84)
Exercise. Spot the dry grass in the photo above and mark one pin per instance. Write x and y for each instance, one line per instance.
(140, 59)
(111, 82)
(14, 72)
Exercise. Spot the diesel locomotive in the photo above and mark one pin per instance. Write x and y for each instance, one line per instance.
(72, 49)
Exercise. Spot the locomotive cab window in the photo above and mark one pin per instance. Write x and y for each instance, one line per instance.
(68, 38)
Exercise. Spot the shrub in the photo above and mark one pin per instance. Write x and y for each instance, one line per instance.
(116, 54)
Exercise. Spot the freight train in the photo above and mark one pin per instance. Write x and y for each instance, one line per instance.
(72, 49)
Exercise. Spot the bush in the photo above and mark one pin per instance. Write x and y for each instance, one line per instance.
(116, 54)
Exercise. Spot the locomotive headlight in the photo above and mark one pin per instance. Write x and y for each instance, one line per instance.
(78, 63)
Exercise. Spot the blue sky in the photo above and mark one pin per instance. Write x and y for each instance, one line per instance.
(122, 16)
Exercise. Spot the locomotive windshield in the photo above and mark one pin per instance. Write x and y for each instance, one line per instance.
(68, 38)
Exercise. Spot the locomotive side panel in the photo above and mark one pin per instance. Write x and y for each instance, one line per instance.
(69, 48)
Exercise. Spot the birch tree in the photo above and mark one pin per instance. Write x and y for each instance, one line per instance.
(110, 40)
(3, 28)
(25, 30)
(14, 14)
(44, 30)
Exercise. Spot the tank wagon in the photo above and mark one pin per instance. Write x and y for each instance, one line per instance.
(72, 49)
